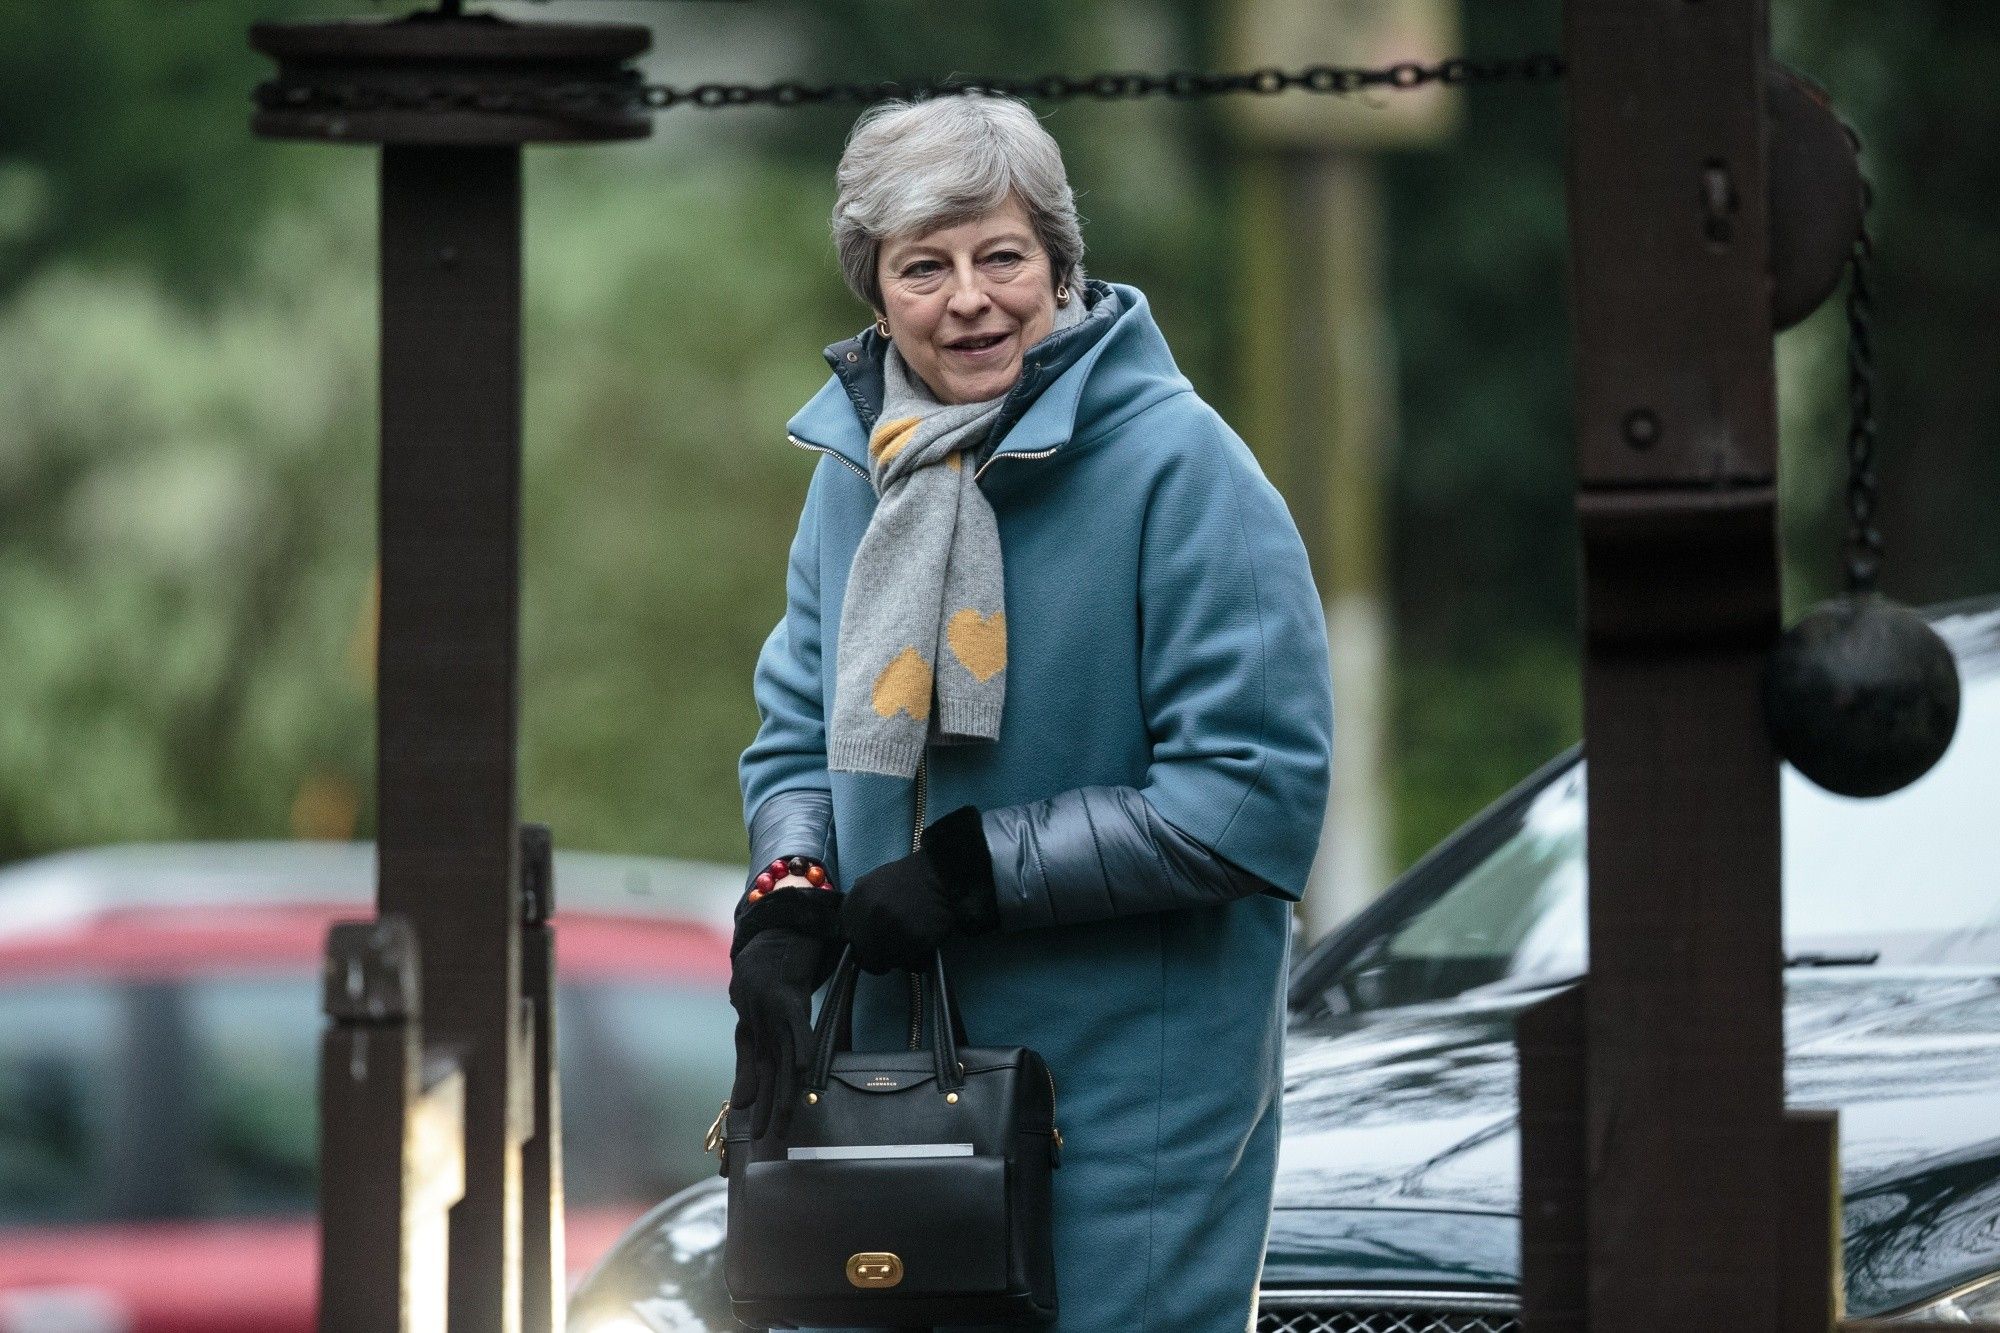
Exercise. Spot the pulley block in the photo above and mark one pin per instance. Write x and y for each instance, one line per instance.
(450, 78)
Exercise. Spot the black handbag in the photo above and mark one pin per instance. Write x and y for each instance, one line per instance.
(911, 1188)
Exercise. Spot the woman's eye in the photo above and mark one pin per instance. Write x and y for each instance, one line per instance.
(1004, 258)
(923, 268)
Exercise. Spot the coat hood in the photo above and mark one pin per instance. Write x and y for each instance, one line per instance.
(1119, 372)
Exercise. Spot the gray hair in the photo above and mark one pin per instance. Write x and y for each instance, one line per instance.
(912, 167)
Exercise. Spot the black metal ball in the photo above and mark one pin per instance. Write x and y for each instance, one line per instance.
(1861, 696)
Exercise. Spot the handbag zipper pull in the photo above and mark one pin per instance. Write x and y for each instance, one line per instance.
(713, 1139)
(1055, 1135)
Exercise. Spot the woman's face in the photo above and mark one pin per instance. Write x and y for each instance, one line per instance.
(964, 302)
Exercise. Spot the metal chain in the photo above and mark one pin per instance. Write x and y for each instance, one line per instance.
(627, 94)
(1864, 539)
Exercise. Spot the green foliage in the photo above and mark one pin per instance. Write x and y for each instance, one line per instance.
(664, 356)
(1916, 82)
(187, 405)
(124, 138)
(1482, 528)
(1477, 272)
(1467, 730)
(187, 499)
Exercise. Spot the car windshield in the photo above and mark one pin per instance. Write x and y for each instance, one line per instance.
(58, 1058)
(1911, 879)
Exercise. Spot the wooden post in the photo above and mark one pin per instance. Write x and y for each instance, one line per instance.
(1811, 1290)
(543, 1279)
(1554, 1291)
(1690, 1183)
(375, 1090)
(447, 670)
(446, 705)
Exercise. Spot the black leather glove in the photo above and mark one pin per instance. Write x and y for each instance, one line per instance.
(897, 914)
(786, 946)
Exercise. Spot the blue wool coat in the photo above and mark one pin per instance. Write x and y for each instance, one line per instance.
(1167, 701)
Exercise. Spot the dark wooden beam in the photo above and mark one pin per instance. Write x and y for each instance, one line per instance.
(447, 709)
(447, 671)
(1554, 1285)
(1812, 1286)
(544, 1280)
(1684, 1138)
(382, 1214)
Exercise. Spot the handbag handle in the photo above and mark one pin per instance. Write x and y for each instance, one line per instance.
(835, 1030)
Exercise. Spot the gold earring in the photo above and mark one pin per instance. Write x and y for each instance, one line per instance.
(1062, 293)
(882, 326)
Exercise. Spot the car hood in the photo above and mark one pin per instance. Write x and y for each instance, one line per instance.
(1399, 1162)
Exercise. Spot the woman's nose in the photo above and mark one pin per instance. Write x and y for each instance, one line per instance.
(968, 293)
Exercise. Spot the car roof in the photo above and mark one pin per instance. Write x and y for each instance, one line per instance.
(66, 888)
(157, 944)
(1972, 629)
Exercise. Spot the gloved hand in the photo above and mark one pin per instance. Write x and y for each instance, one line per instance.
(897, 914)
(785, 948)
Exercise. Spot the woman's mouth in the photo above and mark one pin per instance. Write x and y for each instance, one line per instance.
(977, 346)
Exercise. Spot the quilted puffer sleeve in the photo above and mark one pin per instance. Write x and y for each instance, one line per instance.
(1235, 689)
(1096, 852)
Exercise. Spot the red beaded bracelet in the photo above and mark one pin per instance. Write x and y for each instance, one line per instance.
(805, 867)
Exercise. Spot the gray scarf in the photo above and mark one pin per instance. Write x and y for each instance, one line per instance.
(924, 620)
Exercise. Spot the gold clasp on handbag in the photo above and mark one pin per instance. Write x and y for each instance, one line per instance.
(713, 1139)
(874, 1268)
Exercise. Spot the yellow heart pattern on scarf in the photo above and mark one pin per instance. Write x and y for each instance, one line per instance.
(980, 642)
(891, 437)
(904, 687)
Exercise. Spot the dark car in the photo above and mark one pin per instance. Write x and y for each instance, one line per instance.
(1397, 1193)
(159, 1021)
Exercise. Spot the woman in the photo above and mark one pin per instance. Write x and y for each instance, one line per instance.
(1050, 693)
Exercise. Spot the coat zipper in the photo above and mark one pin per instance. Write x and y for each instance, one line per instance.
(849, 464)
(916, 985)
(994, 458)
(917, 845)
(844, 460)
